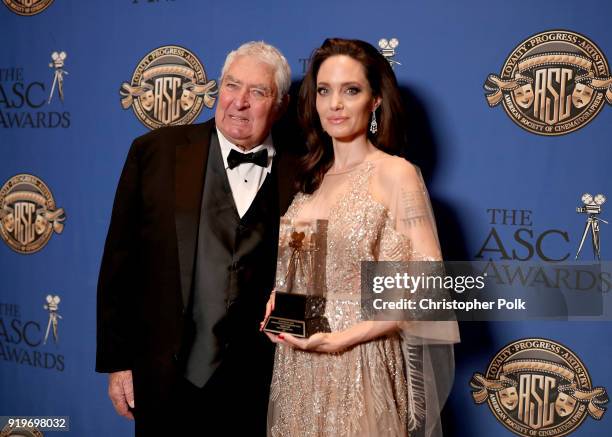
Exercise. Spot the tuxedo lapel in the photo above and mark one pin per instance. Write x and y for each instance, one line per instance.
(285, 174)
(217, 167)
(191, 158)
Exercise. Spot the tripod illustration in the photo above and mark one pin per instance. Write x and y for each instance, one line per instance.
(592, 208)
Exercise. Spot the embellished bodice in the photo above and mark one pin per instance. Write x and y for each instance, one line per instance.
(360, 228)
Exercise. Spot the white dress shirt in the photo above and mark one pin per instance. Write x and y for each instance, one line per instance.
(247, 178)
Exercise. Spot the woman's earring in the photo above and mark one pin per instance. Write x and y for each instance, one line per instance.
(373, 124)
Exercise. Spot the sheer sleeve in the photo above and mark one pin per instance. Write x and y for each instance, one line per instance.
(410, 210)
(427, 345)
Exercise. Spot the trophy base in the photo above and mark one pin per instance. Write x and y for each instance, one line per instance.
(298, 315)
(279, 325)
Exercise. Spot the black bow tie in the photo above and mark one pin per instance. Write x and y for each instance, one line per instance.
(235, 158)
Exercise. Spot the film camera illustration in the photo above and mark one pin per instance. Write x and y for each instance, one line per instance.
(387, 49)
(57, 64)
(592, 207)
(52, 306)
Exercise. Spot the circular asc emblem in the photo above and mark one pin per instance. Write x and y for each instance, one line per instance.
(28, 215)
(27, 7)
(553, 83)
(168, 87)
(17, 431)
(537, 387)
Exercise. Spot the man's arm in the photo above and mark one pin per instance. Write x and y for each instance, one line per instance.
(117, 288)
(121, 392)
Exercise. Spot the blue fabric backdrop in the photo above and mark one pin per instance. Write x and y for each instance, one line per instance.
(474, 159)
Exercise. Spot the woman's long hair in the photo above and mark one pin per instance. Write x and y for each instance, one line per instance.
(390, 113)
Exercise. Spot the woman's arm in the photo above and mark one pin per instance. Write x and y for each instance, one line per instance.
(330, 342)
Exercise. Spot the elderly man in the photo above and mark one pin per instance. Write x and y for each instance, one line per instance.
(190, 258)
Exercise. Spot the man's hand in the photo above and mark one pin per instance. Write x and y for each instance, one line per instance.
(121, 392)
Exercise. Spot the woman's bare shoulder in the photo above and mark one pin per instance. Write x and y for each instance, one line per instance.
(393, 170)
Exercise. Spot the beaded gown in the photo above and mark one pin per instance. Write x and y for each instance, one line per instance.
(378, 210)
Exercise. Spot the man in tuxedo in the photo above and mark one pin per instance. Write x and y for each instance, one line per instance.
(190, 258)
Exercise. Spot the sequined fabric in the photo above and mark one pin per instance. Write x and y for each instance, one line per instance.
(362, 391)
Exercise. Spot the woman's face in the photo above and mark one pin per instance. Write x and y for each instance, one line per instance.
(344, 98)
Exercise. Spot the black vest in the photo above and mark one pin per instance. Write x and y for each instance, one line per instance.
(234, 270)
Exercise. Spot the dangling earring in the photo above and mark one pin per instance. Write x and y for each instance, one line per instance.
(373, 124)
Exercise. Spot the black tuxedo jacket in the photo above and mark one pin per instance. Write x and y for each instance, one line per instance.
(146, 276)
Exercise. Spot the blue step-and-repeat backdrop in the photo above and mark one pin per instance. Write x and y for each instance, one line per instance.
(510, 109)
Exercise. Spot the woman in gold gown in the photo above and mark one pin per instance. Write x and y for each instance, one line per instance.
(363, 378)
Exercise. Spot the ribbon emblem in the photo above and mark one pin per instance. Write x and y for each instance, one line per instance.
(45, 216)
(190, 88)
(595, 398)
(495, 86)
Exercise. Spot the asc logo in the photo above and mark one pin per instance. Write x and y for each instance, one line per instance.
(27, 7)
(168, 87)
(27, 102)
(24, 340)
(553, 83)
(28, 215)
(18, 431)
(537, 387)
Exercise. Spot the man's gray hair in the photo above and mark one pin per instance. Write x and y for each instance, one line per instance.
(268, 54)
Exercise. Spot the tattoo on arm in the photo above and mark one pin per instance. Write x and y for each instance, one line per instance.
(415, 210)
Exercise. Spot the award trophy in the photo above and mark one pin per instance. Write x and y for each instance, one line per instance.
(300, 279)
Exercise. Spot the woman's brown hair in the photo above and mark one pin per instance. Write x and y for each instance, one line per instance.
(390, 114)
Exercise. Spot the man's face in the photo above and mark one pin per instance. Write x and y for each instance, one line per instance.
(247, 106)
(582, 95)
